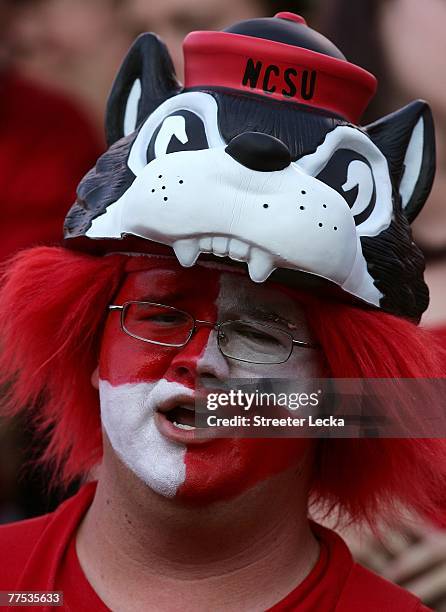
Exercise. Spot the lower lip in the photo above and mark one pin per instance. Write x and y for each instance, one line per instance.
(181, 436)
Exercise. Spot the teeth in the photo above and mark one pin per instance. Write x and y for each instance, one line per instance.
(260, 265)
(205, 245)
(238, 250)
(220, 246)
(183, 426)
(187, 251)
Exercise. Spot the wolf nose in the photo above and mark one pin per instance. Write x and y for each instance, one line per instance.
(258, 151)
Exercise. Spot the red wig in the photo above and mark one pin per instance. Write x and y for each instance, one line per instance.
(54, 302)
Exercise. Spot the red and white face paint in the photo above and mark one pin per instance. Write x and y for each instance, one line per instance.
(136, 379)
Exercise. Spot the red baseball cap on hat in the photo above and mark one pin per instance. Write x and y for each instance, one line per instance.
(279, 70)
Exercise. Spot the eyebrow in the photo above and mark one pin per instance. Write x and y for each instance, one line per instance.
(161, 296)
(262, 314)
(269, 316)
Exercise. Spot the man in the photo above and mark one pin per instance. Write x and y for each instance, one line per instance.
(258, 161)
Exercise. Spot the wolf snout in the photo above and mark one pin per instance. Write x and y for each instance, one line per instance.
(258, 151)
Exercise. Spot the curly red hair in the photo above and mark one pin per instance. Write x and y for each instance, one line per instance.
(54, 303)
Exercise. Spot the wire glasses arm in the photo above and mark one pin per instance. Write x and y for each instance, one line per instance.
(302, 344)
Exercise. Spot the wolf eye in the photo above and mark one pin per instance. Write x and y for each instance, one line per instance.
(350, 174)
(180, 131)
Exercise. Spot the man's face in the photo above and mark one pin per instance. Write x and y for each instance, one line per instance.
(138, 380)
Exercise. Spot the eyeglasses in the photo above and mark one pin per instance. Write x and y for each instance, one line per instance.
(246, 341)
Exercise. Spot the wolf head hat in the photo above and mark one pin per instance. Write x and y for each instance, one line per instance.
(258, 159)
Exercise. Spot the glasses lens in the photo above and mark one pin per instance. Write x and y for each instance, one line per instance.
(254, 342)
(157, 323)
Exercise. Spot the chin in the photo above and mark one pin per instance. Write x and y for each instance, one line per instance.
(227, 468)
(194, 472)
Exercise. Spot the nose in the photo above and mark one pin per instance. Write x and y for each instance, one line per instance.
(258, 151)
(212, 364)
(199, 360)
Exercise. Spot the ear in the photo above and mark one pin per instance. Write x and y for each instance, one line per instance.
(95, 379)
(407, 140)
(145, 79)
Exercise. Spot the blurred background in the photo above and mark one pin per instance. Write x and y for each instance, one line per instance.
(57, 62)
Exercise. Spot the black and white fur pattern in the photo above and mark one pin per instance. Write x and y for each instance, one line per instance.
(338, 212)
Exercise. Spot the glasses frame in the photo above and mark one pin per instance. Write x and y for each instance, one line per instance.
(198, 323)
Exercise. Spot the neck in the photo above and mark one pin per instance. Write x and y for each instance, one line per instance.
(240, 554)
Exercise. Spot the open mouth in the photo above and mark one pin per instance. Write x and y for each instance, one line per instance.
(182, 416)
(180, 412)
(175, 419)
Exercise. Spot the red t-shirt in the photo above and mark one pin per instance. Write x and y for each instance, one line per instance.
(40, 555)
(47, 144)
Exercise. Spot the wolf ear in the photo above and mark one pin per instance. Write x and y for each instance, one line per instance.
(407, 139)
(145, 79)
